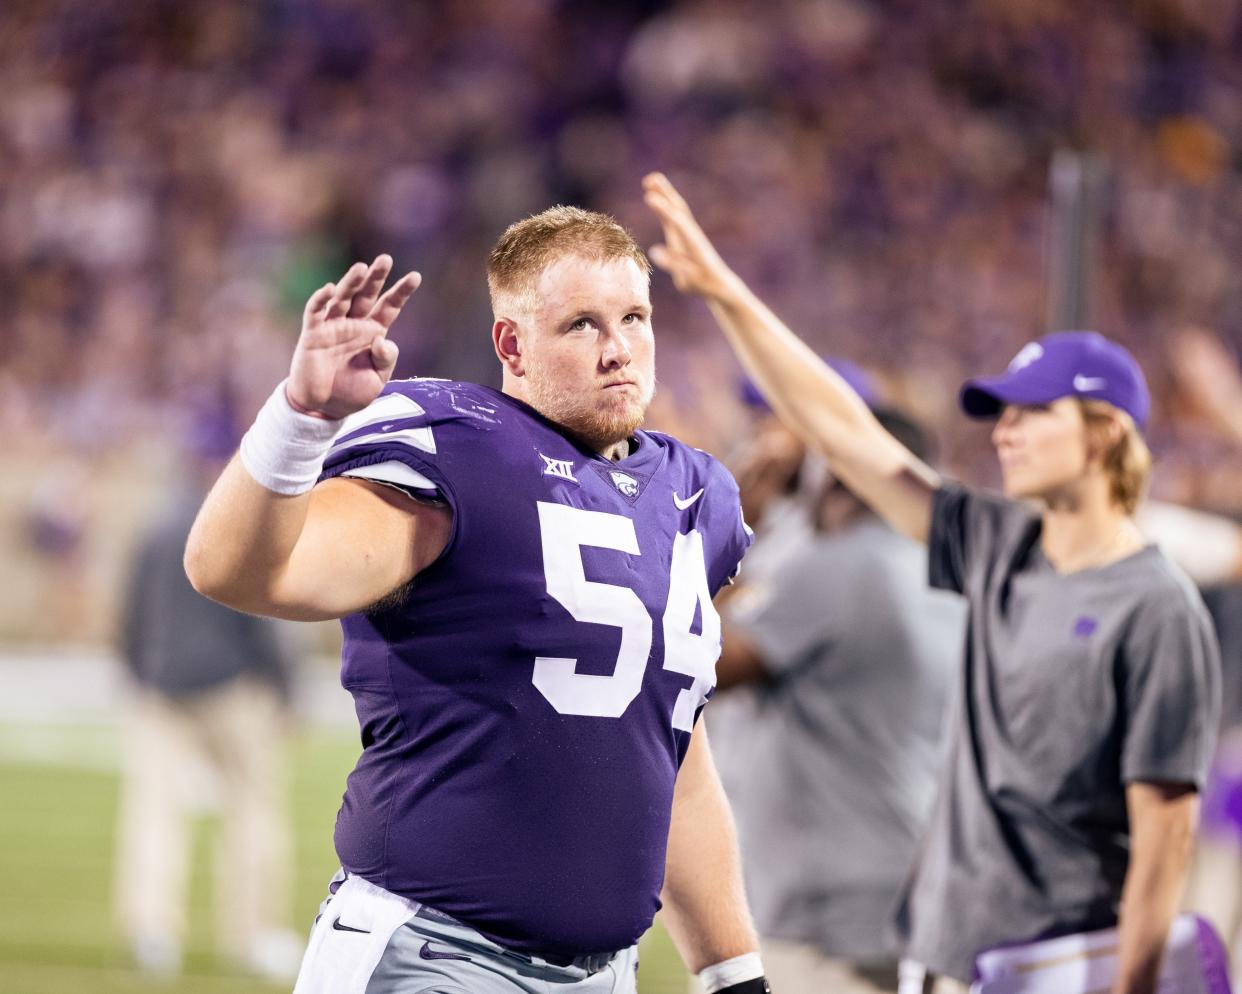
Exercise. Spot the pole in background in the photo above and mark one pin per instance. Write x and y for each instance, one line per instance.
(1076, 184)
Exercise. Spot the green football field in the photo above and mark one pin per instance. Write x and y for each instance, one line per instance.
(59, 791)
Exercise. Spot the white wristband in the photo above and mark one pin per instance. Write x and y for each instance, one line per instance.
(284, 449)
(737, 970)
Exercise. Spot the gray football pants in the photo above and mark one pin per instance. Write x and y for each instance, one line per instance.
(369, 941)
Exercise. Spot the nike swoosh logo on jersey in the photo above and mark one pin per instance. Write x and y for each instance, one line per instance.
(683, 504)
(336, 924)
(426, 952)
(1083, 384)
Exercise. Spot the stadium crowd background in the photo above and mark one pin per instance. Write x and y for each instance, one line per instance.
(175, 178)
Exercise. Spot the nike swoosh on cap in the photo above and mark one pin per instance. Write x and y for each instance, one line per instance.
(426, 952)
(683, 504)
(1083, 384)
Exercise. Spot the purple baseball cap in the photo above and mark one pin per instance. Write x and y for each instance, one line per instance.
(1064, 364)
(857, 378)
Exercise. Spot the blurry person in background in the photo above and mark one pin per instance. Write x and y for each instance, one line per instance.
(209, 690)
(58, 519)
(768, 466)
(1209, 548)
(1216, 876)
(780, 485)
(829, 748)
(1090, 685)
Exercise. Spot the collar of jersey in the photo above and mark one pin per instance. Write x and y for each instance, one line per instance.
(647, 450)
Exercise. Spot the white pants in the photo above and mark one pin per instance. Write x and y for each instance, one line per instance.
(370, 941)
(237, 732)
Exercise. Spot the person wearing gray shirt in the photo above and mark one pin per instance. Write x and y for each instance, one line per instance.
(207, 690)
(1090, 688)
(1073, 687)
(829, 748)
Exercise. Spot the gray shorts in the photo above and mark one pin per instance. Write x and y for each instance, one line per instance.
(367, 940)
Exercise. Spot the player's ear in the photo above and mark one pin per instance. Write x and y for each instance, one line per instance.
(508, 345)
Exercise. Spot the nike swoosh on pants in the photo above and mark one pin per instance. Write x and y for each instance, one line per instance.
(426, 952)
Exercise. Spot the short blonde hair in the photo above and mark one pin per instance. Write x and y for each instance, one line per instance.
(1127, 460)
(528, 246)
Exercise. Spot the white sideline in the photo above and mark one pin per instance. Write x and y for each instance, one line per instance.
(84, 685)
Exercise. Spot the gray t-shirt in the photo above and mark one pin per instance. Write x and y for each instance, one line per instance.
(831, 766)
(1072, 686)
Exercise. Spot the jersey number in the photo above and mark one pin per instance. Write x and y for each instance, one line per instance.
(564, 531)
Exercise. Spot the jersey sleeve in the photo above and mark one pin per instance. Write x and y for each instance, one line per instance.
(1171, 693)
(396, 474)
(392, 441)
(968, 529)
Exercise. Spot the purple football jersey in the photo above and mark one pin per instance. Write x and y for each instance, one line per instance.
(524, 712)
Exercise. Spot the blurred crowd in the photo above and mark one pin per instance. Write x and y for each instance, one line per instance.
(175, 178)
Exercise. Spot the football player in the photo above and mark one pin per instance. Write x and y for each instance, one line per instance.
(525, 582)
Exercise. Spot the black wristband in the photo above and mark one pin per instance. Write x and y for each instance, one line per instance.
(757, 986)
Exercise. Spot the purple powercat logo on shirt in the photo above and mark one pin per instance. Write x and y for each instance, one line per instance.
(1085, 626)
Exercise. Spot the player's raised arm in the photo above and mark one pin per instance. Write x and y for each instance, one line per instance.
(806, 394)
(264, 541)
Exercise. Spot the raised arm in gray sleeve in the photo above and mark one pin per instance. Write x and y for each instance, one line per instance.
(1171, 693)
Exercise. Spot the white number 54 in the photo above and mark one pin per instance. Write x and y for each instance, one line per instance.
(564, 531)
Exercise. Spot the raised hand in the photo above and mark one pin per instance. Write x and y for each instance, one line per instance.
(1209, 377)
(343, 356)
(686, 254)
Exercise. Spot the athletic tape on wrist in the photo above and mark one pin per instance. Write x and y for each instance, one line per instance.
(737, 970)
(284, 450)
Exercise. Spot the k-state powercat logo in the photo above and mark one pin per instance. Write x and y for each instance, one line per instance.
(626, 485)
